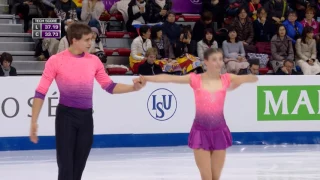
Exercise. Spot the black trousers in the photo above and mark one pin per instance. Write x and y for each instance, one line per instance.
(74, 138)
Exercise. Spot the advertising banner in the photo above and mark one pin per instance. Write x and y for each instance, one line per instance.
(179, 6)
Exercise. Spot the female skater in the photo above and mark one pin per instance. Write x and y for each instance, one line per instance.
(210, 135)
(74, 71)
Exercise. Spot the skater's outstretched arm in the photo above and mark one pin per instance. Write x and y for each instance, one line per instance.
(166, 78)
(237, 80)
(114, 88)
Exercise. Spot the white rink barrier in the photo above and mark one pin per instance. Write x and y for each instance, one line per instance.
(277, 109)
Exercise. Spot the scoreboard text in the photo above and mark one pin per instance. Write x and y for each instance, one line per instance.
(46, 28)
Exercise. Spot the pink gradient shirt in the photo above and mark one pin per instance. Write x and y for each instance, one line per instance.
(209, 105)
(74, 76)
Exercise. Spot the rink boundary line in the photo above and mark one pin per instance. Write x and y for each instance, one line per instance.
(164, 139)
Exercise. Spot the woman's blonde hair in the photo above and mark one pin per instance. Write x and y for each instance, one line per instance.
(151, 51)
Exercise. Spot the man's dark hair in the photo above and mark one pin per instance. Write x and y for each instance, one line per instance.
(144, 29)
(206, 16)
(77, 30)
(254, 61)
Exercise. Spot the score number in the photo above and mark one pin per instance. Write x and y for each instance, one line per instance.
(51, 34)
(50, 27)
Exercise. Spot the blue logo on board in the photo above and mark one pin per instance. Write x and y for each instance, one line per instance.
(162, 104)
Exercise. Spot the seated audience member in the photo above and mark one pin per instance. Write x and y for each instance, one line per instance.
(171, 29)
(281, 48)
(244, 28)
(293, 27)
(206, 43)
(66, 11)
(185, 44)
(233, 7)
(96, 44)
(277, 10)
(136, 12)
(253, 7)
(263, 28)
(234, 54)
(31, 9)
(157, 10)
(91, 12)
(306, 53)
(149, 67)
(139, 47)
(161, 43)
(287, 69)
(204, 23)
(217, 8)
(253, 68)
(6, 68)
(64, 42)
(301, 6)
(310, 21)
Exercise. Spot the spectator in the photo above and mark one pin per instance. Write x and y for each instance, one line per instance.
(171, 29)
(244, 28)
(139, 47)
(301, 6)
(217, 8)
(204, 23)
(149, 67)
(6, 68)
(96, 44)
(310, 21)
(31, 9)
(64, 42)
(253, 68)
(91, 12)
(293, 27)
(136, 12)
(233, 7)
(306, 53)
(263, 28)
(287, 69)
(185, 44)
(66, 11)
(277, 10)
(161, 43)
(157, 10)
(206, 43)
(234, 53)
(281, 48)
(253, 7)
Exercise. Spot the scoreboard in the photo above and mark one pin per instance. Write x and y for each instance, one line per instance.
(46, 28)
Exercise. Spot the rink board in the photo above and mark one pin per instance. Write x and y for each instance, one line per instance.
(276, 110)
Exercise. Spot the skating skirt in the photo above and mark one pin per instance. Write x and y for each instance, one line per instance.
(216, 139)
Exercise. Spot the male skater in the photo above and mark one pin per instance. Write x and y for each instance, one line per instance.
(74, 71)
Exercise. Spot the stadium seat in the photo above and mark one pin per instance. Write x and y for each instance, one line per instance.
(108, 52)
(191, 17)
(115, 34)
(263, 71)
(124, 52)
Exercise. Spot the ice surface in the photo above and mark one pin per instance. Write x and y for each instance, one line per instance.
(279, 162)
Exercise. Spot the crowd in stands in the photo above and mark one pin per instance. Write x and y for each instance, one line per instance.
(282, 35)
